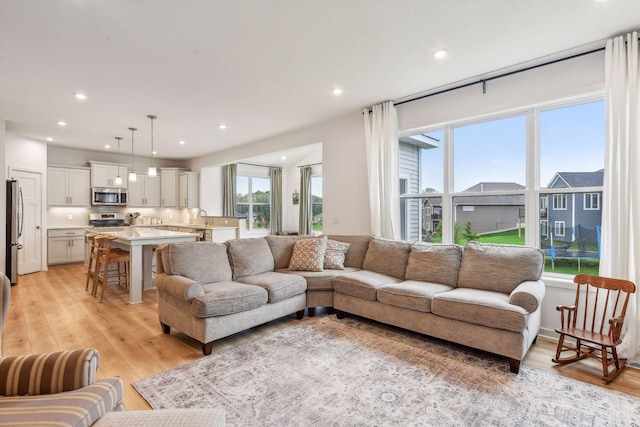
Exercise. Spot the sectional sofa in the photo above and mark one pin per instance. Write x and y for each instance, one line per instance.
(483, 296)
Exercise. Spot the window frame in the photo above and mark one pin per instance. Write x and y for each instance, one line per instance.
(559, 197)
(559, 225)
(584, 201)
(250, 203)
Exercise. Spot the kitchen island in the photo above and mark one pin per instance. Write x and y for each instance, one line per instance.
(139, 241)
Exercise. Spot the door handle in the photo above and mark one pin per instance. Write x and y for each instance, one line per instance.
(38, 227)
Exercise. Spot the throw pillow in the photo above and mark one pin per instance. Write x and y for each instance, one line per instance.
(335, 255)
(308, 254)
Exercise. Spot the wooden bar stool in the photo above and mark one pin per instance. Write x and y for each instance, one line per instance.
(105, 257)
(93, 255)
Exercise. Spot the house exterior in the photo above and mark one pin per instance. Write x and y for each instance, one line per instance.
(564, 216)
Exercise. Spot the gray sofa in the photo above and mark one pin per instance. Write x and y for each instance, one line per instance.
(483, 296)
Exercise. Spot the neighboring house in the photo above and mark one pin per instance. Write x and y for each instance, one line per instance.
(565, 215)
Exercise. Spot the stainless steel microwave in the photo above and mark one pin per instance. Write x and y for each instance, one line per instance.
(101, 196)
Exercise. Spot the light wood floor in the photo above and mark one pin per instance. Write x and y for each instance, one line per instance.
(51, 311)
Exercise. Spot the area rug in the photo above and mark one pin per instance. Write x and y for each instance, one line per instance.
(353, 372)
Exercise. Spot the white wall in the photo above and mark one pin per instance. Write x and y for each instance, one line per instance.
(3, 196)
(74, 157)
(345, 194)
(26, 153)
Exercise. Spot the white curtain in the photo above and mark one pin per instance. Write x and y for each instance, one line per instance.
(621, 201)
(381, 132)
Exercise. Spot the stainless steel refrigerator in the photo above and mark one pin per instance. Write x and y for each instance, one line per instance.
(15, 222)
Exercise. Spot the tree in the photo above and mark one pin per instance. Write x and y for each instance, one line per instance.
(468, 233)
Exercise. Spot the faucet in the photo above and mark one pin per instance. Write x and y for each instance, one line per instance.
(206, 223)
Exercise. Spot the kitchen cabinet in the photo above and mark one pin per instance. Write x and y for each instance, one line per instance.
(104, 175)
(65, 246)
(188, 190)
(144, 191)
(68, 186)
(169, 187)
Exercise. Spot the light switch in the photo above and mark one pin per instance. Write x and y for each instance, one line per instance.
(70, 217)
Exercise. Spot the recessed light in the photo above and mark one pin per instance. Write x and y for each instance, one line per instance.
(49, 139)
(154, 152)
(440, 54)
(61, 123)
(80, 96)
(283, 158)
(222, 126)
(107, 146)
(337, 91)
(181, 142)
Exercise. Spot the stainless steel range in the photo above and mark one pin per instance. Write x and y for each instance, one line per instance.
(107, 221)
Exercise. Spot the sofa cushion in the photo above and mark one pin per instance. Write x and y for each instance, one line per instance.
(279, 286)
(224, 298)
(388, 257)
(202, 262)
(498, 267)
(362, 284)
(357, 249)
(436, 263)
(319, 280)
(249, 256)
(308, 254)
(480, 307)
(411, 294)
(282, 249)
(335, 254)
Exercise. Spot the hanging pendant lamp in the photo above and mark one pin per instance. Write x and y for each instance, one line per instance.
(152, 168)
(132, 174)
(118, 179)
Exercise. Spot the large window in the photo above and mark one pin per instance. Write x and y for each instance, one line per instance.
(493, 180)
(254, 201)
(316, 203)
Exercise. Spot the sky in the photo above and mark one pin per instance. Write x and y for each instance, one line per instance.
(571, 140)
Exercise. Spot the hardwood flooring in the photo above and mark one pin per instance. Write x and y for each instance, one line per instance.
(51, 311)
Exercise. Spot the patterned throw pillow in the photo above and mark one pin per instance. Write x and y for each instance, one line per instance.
(334, 257)
(308, 254)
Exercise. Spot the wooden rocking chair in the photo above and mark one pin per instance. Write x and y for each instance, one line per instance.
(595, 322)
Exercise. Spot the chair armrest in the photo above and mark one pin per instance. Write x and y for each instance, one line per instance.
(528, 295)
(48, 373)
(178, 286)
(616, 328)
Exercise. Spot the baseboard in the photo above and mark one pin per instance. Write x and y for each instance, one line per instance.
(548, 333)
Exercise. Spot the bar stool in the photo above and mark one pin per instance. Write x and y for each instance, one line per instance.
(105, 257)
(93, 255)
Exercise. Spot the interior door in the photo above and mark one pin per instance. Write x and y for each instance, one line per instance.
(30, 256)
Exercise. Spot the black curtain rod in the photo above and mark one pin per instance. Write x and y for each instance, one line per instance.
(312, 164)
(261, 166)
(510, 73)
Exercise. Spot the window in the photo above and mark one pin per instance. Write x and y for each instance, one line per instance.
(253, 201)
(591, 201)
(559, 202)
(474, 177)
(316, 203)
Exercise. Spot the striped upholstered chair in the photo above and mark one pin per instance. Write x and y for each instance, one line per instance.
(54, 388)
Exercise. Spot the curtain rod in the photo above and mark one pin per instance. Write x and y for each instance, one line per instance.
(261, 166)
(312, 164)
(488, 79)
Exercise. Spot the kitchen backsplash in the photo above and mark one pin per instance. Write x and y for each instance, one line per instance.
(64, 216)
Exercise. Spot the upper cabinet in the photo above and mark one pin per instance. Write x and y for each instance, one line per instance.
(68, 186)
(188, 190)
(169, 187)
(144, 191)
(104, 175)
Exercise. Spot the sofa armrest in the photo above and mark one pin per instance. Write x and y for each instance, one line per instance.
(48, 373)
(528, 295)
(178, 286)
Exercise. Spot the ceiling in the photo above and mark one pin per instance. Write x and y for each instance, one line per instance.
(262, 67)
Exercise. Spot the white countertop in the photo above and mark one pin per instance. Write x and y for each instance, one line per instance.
(69, 227)
(192, 226)
(144, 233)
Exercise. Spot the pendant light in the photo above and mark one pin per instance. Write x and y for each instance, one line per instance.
(152, 168)
(118, 179)
(132, 174)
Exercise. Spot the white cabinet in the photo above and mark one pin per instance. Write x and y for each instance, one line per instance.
(169, 187)
(144, 191)
(68, 186)
(65, 246)
(188, 190)
(104, 175)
